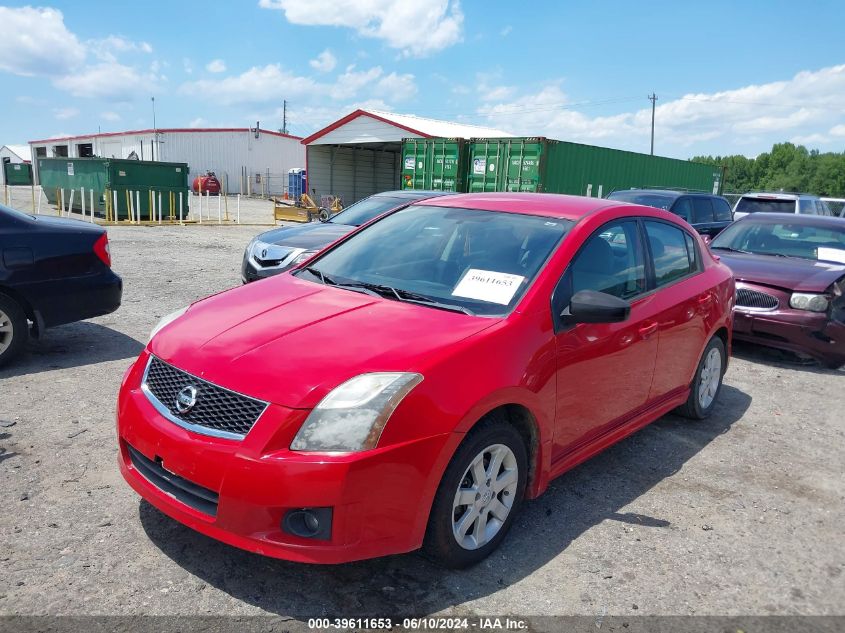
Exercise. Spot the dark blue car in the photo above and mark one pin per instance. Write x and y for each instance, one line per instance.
(52, 271)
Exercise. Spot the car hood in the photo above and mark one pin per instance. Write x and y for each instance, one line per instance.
(790, 273)
(290, 341)
(312, 236)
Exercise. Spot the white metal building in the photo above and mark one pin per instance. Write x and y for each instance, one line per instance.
(13, 154)
(250, 160)
(359, 155)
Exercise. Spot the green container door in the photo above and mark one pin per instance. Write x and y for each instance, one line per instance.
(17, 174)
(116, 176)
(435, 164)
(506, 164)
(538, 164)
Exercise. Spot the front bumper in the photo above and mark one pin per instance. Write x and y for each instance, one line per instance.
(380, 499)
(797, 331)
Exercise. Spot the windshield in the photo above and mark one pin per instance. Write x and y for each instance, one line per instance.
(365, 210)
(764, 205)
(822, 243)
(657, 200)
(479, 262)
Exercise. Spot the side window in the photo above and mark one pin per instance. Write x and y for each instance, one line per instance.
(612, 260)
(822, 208)
(702, 210)
(672, 258)
(721, 210)
(683, 208)
(807, 206)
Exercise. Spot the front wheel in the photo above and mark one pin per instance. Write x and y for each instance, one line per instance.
(478, 496)
(14, 329)
(707, 382)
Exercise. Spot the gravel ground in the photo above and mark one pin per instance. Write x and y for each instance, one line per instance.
(740, 514)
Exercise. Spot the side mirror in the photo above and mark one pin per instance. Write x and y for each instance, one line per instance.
(590, 306)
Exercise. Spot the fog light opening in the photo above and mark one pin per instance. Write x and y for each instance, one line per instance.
(311, 523)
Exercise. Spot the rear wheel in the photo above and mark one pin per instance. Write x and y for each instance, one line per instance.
(478, 496)
(14, 329)
(707, 383)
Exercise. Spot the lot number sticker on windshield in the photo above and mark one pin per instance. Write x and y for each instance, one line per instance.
(488, 285)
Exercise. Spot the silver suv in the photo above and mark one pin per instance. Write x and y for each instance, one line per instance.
(802, 203)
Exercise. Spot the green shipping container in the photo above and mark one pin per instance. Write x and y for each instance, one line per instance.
(116, 176)
(17, 173)
(438, 164)
(538, 164)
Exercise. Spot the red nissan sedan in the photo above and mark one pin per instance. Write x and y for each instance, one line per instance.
(412, 384)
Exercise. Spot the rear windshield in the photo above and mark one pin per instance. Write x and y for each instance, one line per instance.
(365, 210)
(14, 214)
(764, 205)
(657, 200)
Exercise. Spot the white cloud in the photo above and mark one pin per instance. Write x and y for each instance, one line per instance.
(396, 87)
(108, 48)
(216, 66)
(35, 41)
(506, 31)
(256, 85)
(187, 65)
(109, 80)
(324, 62)
(63, 114)
(416, 29)
(110, 116)
(198, 122)
(754, 116)
(352, 81)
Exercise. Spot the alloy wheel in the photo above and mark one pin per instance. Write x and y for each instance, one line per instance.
(711, 375)
(485, 496)
(6, 331)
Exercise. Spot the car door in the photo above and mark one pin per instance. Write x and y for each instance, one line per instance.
(681, 301)
(603, 370)
(702, 216)
(722, 215)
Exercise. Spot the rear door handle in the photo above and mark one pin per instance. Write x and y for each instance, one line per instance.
(648, 330)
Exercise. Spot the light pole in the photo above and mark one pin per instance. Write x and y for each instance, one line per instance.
(653, 98)
(155, 130)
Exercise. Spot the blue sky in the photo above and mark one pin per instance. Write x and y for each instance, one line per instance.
(731, 77)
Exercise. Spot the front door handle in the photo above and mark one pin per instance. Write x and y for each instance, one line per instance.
(648, 329)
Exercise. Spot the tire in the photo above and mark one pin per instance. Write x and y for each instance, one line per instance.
(325, 215)
(14, 329)
(707, 383)
(492, 438)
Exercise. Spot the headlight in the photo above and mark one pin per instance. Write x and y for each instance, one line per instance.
(811, 302)
(167, 319)
(302, 257)
(352, 417)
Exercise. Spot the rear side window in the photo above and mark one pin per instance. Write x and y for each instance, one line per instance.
(721, 210)
(764, 205)
(683, 208)
(702, 210)
(670, 252)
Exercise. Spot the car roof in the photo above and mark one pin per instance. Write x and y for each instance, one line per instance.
(777, 195)
(412, 194)
(795, 218)
(543, 204)
(668, 192)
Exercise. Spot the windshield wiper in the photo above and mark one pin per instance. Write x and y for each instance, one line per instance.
(414, 297)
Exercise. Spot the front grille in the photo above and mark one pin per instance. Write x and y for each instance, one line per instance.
(217, 411)
(187, 492)
(747, 298)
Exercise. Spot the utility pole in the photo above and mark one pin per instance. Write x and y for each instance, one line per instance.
(155, 129)
(653, 98)
(285, 116)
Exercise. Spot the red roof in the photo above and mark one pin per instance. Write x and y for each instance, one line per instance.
(166, 130)
(548, 204)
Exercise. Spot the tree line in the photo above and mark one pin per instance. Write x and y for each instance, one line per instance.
(789, 167)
